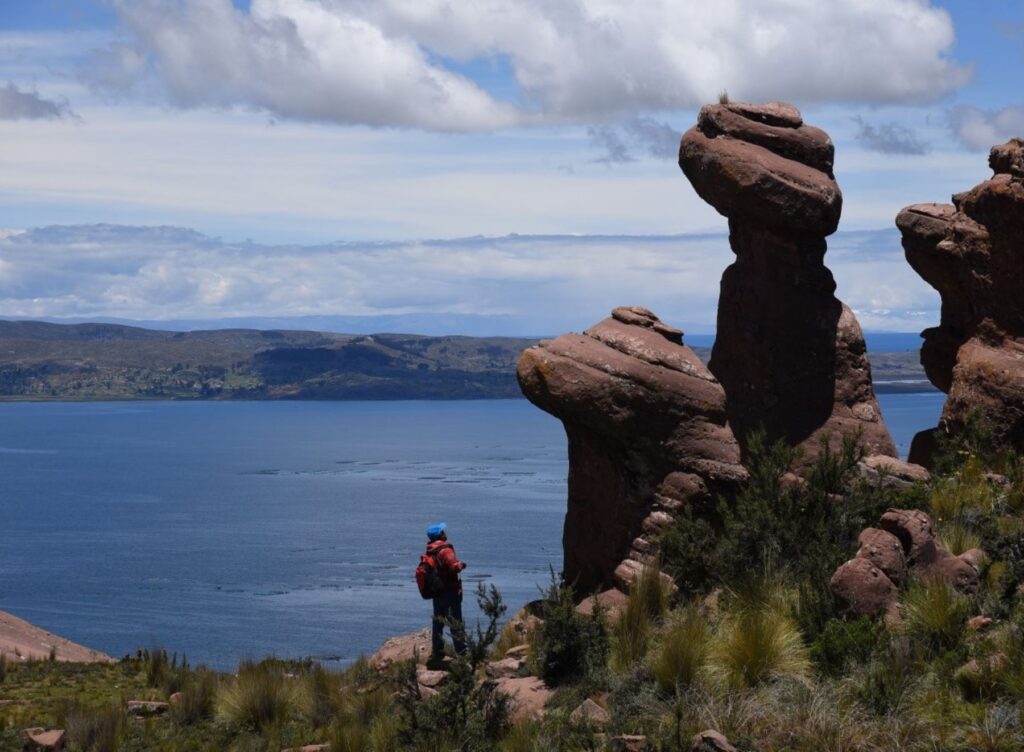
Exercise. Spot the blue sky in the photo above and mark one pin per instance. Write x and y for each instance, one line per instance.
(298, 123)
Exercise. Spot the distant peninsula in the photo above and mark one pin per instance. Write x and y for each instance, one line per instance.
(46, 361)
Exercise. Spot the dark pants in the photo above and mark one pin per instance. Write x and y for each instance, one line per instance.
(447, 607)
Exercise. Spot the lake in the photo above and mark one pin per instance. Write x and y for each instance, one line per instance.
(226, 530)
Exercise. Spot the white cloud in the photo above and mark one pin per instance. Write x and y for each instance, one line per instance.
(382, 62)
(983, 129)
(536, 284)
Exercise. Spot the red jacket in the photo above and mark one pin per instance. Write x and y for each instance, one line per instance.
(448, 563)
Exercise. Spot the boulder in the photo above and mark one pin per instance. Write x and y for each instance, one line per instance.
(590, 712)
(972, 253)
(147, 707)
(431, 679)
(504, 668)
(612, 602)
(529, 696)
(885, 551)
(904, 543)
(43, 739)
(646, 426)
(711, 741)
(891, 472)
(790, 356)
(862, 589)
(402, 648)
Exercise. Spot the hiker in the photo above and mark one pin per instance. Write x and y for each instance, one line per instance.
(448, 601)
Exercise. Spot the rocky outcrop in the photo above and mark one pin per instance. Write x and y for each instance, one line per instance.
(904, 544)
(972, 252)
(646, 424)
(790, 356)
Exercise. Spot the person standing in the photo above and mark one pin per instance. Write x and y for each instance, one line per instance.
(447, 604)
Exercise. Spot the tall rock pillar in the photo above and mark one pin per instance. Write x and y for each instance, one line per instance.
(790, 356)
(972, 252)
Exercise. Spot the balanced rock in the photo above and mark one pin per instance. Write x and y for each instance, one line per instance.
(647, 432)
(790, 356)
(972, 252)
(862, 589)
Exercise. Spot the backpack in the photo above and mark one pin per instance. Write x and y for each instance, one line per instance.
(429, 579)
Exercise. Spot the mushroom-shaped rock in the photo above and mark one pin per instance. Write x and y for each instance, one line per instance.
(790, 356)
(862, 589)
(972, 253)
(646, 424)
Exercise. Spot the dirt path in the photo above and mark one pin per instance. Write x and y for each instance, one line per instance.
(20, 640)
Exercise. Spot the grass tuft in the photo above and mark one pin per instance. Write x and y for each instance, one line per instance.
(260, 697)
(756, 643)
(679, 657)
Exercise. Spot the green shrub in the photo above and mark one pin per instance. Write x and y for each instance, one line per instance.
(679, 657)
(883, 684)
(568, 645)
(757, 642)
(350, 737)
(843, 642)
(320, 695)
(934, 615)
(198, 698)
(91, 729)
(3, 667)
(260, 697)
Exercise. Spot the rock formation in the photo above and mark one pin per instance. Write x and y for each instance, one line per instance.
(903, 545)
(972, 252)
(646, 423)
(790, 356)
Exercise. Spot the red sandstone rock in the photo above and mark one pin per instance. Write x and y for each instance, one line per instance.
(972, 252)
(859, 590)
(402, 648)
(885, 551)
(529, 696)
(790, 357)
(42, 739)
(646, 423)
(862, 589)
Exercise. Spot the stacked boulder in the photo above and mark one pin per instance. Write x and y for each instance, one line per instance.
(790, 356)
(972, 252)
(903, 545)
(646, 424)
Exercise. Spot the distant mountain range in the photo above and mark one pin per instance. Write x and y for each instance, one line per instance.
(98, 361)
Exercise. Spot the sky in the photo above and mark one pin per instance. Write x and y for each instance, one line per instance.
(510, 163)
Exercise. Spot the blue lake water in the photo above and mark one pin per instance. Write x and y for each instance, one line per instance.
(241, 529)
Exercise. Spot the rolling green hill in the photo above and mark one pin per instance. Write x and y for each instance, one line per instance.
(109, 361)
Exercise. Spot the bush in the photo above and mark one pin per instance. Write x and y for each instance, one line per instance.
(198, 698)
(679, 657)
(934, 615)
(320, 695)
(568, 645)
(260, 697)
(3, 667)
(757, 642)
(843, 642)
(92, 729)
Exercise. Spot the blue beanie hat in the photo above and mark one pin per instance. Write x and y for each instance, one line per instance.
(434, 531)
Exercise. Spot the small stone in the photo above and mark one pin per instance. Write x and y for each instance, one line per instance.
(147, 707)
(979, 623)
(711, 741)
(175, 699)
(43, 739)
(432, 679)
(504, 668)
(589, 711)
